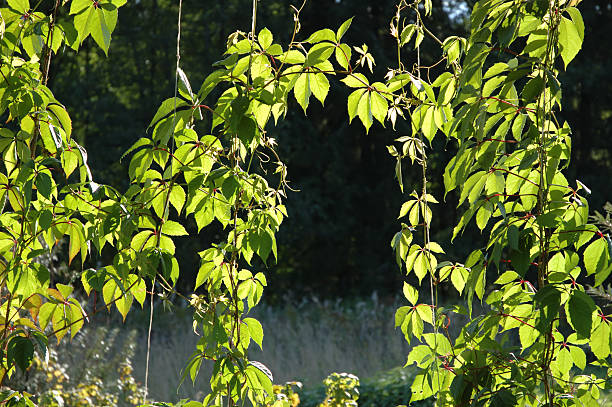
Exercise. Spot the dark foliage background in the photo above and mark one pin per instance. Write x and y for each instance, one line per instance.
(336, 240)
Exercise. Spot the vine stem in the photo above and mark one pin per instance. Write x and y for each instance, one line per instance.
(545, 107)
(427, 225)
(167, 201)
(46, 64)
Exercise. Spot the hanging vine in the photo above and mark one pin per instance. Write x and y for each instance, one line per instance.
(207, 155)
(500, 104)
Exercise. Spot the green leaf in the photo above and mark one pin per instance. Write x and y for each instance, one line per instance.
(513, 237)
(93, 279)
(99, 28)
(319, 53)
(302, 91)
(407, 33)
(124, 304)
(142, 240)
(177, 198)
(64, 289)
(364, 110)
(353, 103)
(406, 207)
(428, 124)
(343, 55)
(379, 106)
(77, 317)
(400, 315)
(264, 375)
(506, 278)
(581, 307)
(292, 56)
(578, 357)
(77, 243)
(569, 39)
(319, 85)
(203, 273)
(60, 116)
(265, 38)
(528, 335)
(255, 330)
(343, 28)
(564, 360)
(503, 398)
(184, 86)
(20, 351)
(596, 256)
(79, 5)
(22, 6)
(438, 342)
(415, 324)
(322, 35)
(577, 20)
(600, 341)
(422, 264)
(356, 80)
(411, 293)
(483, 215)
(459, 276)
(43, 184)
(139, 290)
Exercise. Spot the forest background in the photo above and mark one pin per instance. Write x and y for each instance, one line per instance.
(335, 243)
(336, 240)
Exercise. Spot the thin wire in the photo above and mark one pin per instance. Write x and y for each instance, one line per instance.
(426, 237)
(146, 389)
(176, 75)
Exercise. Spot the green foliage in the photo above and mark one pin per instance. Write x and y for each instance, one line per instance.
(286, 395)
(174, 171)
(499, 103)
(386, 389)
(93, 370)
(341, 390)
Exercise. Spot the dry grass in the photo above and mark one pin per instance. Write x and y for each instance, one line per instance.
(304, 342)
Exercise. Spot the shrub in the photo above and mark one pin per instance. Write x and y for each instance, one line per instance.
(96, 372)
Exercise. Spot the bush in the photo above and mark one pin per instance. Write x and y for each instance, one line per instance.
(92, 371)
(387, 389)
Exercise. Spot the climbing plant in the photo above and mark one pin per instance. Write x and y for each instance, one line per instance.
(207, 156)
(540, 338)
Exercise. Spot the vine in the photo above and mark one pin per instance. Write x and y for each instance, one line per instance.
(511, 150)
(207, 155)
(196, 160)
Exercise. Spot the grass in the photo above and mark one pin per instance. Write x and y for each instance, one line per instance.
(304, 341)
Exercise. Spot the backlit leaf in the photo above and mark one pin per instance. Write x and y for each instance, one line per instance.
(581, 307)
